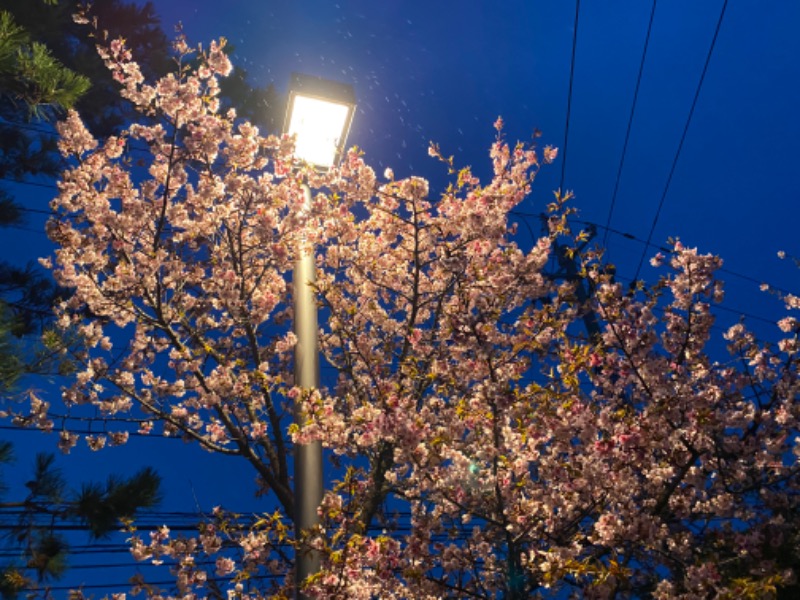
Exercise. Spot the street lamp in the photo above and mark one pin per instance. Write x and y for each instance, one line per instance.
(319, 113)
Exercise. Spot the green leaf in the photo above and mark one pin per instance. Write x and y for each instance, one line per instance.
(100, 507)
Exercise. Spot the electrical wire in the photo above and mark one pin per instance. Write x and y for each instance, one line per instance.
(683, 136)
(629, 236)
(53, 133)
(721, 269)
(95, 586)
(648, 243)
(658, 247)
(399, 528)
(130, 433)
(38, 211)
(630, 122)
(28, 229)
(569, 96)
(33, 183)
(665, 249)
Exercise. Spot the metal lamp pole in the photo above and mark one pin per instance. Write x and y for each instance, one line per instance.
(319, 113)
(307, 457)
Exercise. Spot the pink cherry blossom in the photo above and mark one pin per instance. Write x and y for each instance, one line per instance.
(483, 443)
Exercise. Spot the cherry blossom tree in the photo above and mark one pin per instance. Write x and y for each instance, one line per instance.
(482, 444)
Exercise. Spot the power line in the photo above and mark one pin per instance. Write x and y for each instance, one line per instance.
(40, 211)
(27, 127)
(127, 584)
(65, 527)
(647, 244)
(659, 247)
(569, 96)
(28, 229)
(55, 134)
(33, 183)
(630, 121)
(606, 228)
(721, 269)
(683, 135)
(131, 433)
(668, 250)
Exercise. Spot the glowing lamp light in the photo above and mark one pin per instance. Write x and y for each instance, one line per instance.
(319, 112)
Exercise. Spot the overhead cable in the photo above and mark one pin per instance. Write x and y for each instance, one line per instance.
(683, 136)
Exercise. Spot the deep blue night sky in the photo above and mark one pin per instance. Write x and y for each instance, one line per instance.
(444, 70)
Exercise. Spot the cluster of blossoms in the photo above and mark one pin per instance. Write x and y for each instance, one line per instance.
(482, 446)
